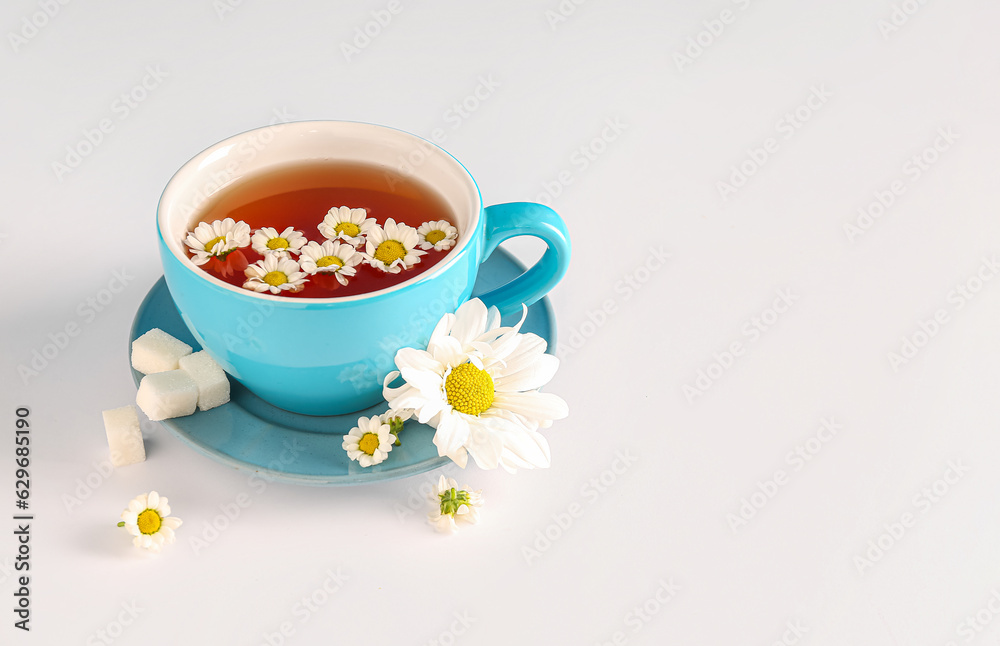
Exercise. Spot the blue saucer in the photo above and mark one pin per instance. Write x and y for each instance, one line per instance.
(251, 435)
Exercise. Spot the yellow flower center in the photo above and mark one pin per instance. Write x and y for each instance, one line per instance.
(347, 228)
(277, 243)
(275, 278)
(149, 522)
(470, 389)
(390, 251)
(326, 261)
(214, 241)
(435, 236)
(368, 443)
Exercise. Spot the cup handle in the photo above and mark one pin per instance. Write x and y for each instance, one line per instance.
(505, 221)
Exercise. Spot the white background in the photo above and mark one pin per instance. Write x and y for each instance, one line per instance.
(673, 515)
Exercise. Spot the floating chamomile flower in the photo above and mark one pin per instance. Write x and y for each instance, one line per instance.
(347, 224)
(439, 235)
(369, 442)
(337, 258)
(148, 519)
(477, 385)
(267, 241)
(275, 275)
(395, 420)
(451, 505)
(392, 248)
(217, 239)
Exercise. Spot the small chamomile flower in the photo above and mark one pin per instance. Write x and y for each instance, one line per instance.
(267, 241)
(392, 248)
(217, 239)
(275, 275)
(451, 505)
(347, 224)
(148, 519)
(439, 236)
(369, 442)
(337, 258)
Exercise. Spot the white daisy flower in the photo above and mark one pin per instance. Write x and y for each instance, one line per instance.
(217, 239)
(148, 519)
(369, 442)
(451, 505)
(439, 235)
(274, 274)
(267, 241)
(347, 224)
(392, 248)
(477, 384)
(336, 258)
(395, 419)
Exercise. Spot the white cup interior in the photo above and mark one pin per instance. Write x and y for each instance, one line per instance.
(233, 163)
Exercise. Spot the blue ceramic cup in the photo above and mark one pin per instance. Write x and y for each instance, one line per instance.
(329, 356)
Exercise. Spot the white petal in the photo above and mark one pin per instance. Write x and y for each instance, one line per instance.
(448, 351)
(444, 524)
(526, 449)
(484, 444)
(172, 522)
(443, 327)
(460, 457)
(426, 381)
(532, 405)
(526, 374)
(505, 339)
(470, 321)
(431, 409)
(406, 396)
(452, 433)
(492, 318)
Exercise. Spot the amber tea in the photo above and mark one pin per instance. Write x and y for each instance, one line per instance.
(322, 230)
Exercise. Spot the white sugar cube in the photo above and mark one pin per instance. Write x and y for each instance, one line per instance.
(156, 351)
(213, 385)
(163, 395)
(124, 436)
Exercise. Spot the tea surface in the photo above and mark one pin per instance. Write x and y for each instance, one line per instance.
(300, 196)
